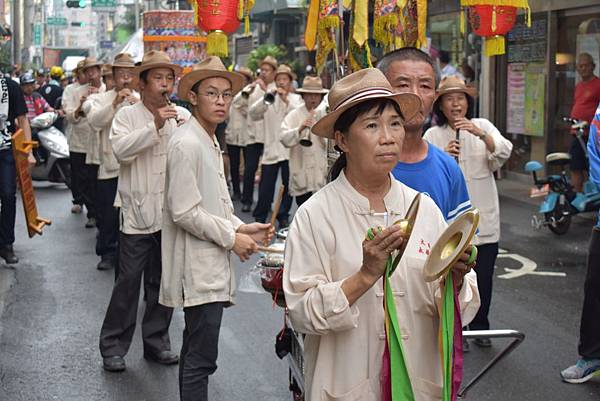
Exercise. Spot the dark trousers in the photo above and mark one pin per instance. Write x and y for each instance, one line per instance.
(200, 349)
(107, 219)
(589, 332)
(486, 259)
(252, 155)
(8, 198)
(139, 255)
(234, 168)
(300, 199)
(266, 191)
(83, 182)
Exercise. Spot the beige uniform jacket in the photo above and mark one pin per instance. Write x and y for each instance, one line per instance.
(273, 115)
(141, 151)
(100, 115)
(256, 128)
(236, 132)
(478, 166)
(77, 129)
(344, 344)
(83, 135)
(199, 226)
(308, 165)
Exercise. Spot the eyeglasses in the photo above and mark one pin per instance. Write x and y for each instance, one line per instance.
(214, 96)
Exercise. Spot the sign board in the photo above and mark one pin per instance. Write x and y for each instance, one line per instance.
(108, 5)
(526, 44)
(21, 149)
(106, 44)
(56, 21)
(37, 34)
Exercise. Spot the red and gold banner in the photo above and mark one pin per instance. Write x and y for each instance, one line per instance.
(329, 21)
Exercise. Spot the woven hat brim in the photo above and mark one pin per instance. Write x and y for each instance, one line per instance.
(123, 65)
(315, 91)
(469, 90)
(141, 68)
(409, 103)
(274, 65)
(189, 80)
(85, 67)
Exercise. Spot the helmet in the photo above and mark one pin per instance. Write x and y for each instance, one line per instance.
(27, 79)
(40, 72)
(56, 72)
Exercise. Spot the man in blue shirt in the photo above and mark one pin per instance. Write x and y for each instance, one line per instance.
(423, 166)
(588, 365)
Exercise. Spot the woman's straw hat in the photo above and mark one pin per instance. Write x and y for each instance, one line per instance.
(361, 86)
(453, 84)
(209, 68)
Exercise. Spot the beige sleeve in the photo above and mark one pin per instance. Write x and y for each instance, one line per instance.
(317, 305)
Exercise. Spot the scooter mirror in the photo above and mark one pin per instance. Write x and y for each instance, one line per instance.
(533, 166)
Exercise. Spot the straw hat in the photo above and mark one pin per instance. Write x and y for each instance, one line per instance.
(79, 67)
(245, 71)
(312, 85)
(156, 59)
(453, 84)
(271, 61)
(90, 62)
(363, 85)
(123, 60)
(285, 69)
(209, 68)
(106, 70)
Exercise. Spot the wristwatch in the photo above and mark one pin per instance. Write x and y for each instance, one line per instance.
(482, 137)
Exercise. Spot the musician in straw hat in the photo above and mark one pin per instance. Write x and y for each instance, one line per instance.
(256, 127)
(200, 230)
(102, 108)
(333, 277)
(308, 152)
(275, 155)
(139, 137)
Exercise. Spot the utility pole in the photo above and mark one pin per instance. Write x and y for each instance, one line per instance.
(27, 30)
(16, 31)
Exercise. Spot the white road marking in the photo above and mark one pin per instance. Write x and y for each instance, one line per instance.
(528, 267)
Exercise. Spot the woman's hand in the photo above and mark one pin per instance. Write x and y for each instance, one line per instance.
(468, 125)
(453, 148)
(461, 268)
(377, 251)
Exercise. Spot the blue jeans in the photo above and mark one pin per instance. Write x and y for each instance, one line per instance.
(8, 199)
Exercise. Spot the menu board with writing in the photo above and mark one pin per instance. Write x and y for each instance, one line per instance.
(525, 44)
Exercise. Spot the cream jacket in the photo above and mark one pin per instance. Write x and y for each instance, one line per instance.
(308, 165)
(198, 224)
(100, 114)
(77, 128)
(84, 137)
(236, 132)
(141, 151)
(273, 115)
(256, 128)
(344, 344)
(478, 166)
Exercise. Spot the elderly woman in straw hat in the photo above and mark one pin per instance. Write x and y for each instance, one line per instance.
(480, 149)
(333, 277)
(200, 231)
(308, 152)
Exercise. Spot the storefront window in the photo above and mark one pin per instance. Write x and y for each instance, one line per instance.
(577, 34)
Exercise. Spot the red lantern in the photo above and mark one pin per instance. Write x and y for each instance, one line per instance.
(218, 17)
(492, 19)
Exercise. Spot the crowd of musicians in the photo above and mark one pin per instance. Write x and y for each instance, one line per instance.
(153, 179)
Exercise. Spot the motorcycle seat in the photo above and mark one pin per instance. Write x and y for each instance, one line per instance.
(558, 159)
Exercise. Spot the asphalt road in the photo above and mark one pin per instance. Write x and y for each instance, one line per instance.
(54, 302)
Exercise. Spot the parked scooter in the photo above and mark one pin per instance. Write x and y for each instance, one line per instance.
(52, 154)
(561, 202)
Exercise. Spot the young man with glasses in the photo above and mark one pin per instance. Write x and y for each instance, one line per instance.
(200, 230)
